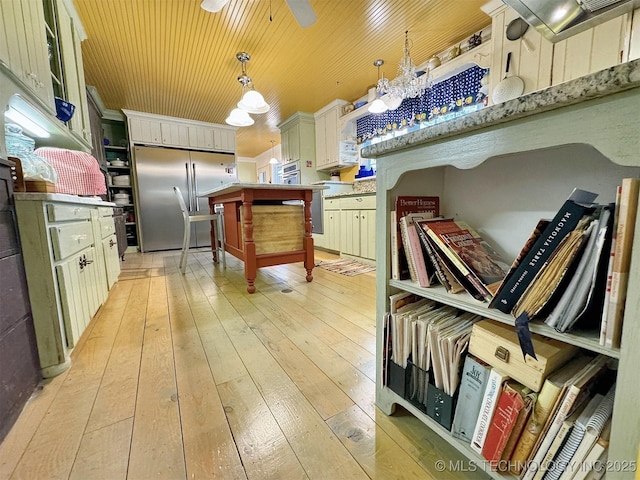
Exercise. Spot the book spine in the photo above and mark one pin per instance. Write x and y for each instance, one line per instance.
(559, 418)
(612, 252)
(547, 461)
(518, 428)
(487, 409)
(563, 222)
(621, 260)
(407, 249)
(472, 387)
(541, 412)
(509, 405)
(437, 266)
(461, 267)
(395, 245)
(419, 263)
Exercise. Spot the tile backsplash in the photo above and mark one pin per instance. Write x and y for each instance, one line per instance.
(365, 186)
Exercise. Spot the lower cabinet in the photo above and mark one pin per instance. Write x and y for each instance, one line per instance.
(332, 225)
(357, 226)
(71, 261)
(80, 293)
(357, 233)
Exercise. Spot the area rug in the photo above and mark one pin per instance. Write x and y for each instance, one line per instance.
(346, 267)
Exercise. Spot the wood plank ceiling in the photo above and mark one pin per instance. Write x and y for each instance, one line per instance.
(170, 57)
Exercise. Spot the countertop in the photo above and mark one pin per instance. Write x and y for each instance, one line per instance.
(618, 78)
(350, 194)
(61, 197)
(236, 186)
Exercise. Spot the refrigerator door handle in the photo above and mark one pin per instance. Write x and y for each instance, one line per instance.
(189, 195)
(195, 187)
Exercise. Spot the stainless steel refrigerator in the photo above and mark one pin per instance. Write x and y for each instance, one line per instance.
(158, 170)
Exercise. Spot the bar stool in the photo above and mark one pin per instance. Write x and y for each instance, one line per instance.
(218, 230)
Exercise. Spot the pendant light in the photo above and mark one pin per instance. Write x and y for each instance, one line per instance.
(213, 6)
(239, 118)
(252, 101)
(378, 106)
(273, 160)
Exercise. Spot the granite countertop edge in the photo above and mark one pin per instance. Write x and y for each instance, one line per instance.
(618, 78)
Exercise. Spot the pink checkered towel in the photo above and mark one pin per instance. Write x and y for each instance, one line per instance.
(78, 172)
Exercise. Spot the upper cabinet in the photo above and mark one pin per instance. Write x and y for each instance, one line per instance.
(298, 138)
(149, 129)
(41, 60)
(328, 135)
(69, 35)
(24, 52)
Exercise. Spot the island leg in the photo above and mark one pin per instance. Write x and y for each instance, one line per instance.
(212, 232)
(250, 268)
(307, 241)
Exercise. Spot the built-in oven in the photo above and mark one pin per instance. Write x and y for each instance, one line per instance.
(291, 173)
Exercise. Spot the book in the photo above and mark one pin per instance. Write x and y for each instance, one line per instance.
(583, 295)
(475, 374)
(516, 433)
(470, 254)
(612, 248)
(413, 248)
(510, 402)
(591, 460)
(406, 249)
(453, 271)
(621, 260)
(395, 245)
(409, 204)
(533, 236)
(545, 405)
(557, 444)
(564, 221)
(487, 409)
(555, 273)
(596, 421)
(444, 274)
(579, 388)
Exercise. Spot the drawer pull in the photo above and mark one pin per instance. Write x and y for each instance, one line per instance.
(111, 243)
(83, 262)
(358, 199)
(502, 354)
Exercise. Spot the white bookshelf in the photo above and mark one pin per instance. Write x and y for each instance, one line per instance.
(502, 177)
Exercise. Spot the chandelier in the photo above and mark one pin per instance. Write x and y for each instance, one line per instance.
(407, 84)
(251, 101)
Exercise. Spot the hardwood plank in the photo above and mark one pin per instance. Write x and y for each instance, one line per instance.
(104, 453)
(116, 396)
(203, 380)
(377, 453)
(317, 387)
(156, 446)
(265, 450)
(425, 447)
(210, 451)
(15, 443)
(313, 442)
(352, 382)
(70, 410)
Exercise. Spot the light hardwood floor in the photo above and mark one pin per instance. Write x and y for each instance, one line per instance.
(190, 377)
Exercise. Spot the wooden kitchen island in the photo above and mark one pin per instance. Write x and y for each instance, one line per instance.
(264, 225)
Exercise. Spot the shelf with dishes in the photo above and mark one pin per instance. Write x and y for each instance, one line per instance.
(121, 190)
